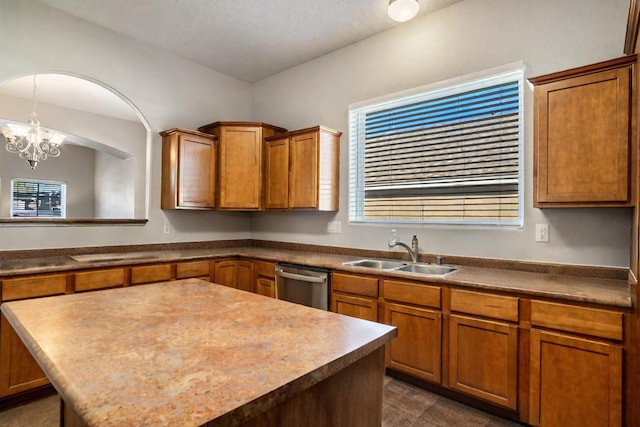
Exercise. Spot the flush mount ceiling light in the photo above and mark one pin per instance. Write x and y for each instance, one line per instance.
(33, 143)
(402, 10)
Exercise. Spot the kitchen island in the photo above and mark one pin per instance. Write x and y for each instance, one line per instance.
(193, 353)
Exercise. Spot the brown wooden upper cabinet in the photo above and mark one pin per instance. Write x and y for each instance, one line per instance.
(240, 162)
(302, 170)
(582, 130)
(188, 169)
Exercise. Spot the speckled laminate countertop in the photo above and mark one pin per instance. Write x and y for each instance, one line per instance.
(610, 292)
(184, 353)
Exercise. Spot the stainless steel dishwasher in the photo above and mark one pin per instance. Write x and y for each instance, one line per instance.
(310, 286)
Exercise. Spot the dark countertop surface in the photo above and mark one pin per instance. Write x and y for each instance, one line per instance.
(604, 291)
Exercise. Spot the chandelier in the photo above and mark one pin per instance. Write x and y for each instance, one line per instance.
(33, 143)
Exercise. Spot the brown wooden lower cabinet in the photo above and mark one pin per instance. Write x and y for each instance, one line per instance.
(18, 370)
(225, 273)
(355, 296)
(266, 287)
(483, 359)
(194, 269)
(150, 274)
(245, 276)
(355, 306)
(237, 274)
(574, 381)
(265, 278)
(417, 350)
(99, 279)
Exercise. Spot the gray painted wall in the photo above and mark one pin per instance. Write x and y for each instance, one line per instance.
(167, 90)
(468, 37)
(74, 169)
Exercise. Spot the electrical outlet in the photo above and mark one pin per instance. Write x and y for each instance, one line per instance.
(334, 227)
(542, 233)
(166, 229)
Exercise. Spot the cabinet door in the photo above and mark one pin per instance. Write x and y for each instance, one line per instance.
(99, 279)
(188, 171)
(225, 273)
(18, 370)
(277, 174)
(150, 274)
(34, 287)
(245, 277)
(240, 167)
(362, 308)
(582, 139)
(574, 381)
(483, 359)
(417, 350)
(193, 269)
(266, 287)
(303, 182)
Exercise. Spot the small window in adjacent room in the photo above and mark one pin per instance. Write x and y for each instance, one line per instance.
(33, 198)
(448, 155)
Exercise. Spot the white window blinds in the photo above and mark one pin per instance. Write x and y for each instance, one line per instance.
(37, 199)
(451, 155)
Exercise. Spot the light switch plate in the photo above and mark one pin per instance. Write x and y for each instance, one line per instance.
(542, 233)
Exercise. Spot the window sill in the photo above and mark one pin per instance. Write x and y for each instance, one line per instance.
(72, 221)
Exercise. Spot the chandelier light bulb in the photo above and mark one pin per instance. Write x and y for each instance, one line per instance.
(403, 10)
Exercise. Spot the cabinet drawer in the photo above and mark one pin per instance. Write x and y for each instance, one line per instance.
(487, 305)
(186, 270)
(360, 285)
(99, 279)
(411, 293)
(150, 273)
(33, 287)
(582, 320)
(265, 269)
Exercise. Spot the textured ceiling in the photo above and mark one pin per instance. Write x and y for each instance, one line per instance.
(246, 39)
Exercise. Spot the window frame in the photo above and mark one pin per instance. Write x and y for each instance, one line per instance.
(357, 112)
(63, 196)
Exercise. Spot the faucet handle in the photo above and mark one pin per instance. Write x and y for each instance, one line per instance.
(393, 238)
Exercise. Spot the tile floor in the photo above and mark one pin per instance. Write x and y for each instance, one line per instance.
(403, 406)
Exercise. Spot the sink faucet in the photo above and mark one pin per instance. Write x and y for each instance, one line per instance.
(413, 250)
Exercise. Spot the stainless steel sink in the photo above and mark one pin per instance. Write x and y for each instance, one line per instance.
(382, 264)
(414, 267)
(429, 269)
